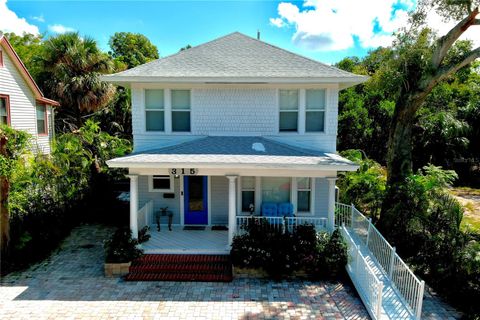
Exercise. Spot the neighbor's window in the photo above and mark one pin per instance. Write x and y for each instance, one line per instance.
(181, 110)
(41, 119)
(304, 190)
(248, 193)
(4, 110)
(161, 184)
(288, 100)
(276, 189)
(154, 110)
(1, 59)
(315, 111)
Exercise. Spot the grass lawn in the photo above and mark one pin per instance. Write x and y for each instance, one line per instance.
(470, 199)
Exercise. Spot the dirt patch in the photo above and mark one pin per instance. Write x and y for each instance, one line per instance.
(470, 200)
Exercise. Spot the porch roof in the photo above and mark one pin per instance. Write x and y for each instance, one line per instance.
(234, 152)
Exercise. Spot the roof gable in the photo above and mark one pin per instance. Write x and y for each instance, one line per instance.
(236, 56)
(8, 49)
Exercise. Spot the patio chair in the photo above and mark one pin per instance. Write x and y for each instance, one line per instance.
(285, 209)
(269, 209)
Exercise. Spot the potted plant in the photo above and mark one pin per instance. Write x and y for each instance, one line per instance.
(120, 251)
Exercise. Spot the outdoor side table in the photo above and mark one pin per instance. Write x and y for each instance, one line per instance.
(163, 213)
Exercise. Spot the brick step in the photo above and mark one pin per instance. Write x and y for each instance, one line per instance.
(182, 258)
(178, 277)
(172, 267)
(176, 268)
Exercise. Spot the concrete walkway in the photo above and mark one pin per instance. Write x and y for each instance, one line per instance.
(70, 284)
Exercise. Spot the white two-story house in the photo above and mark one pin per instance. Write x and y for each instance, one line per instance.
(22, 103)
(230, 129)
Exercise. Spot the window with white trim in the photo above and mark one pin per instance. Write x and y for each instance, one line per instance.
(304, 194)
(4, 110)
(154, 110)
(276, 189)
(41, 110)
(181, 110)
(159, 183)
(315, 110)
(288, 105)
(248, 192)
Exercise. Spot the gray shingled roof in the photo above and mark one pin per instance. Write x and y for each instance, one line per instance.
(235, 56)
(235, 152)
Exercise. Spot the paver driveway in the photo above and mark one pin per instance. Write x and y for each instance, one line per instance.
(70, 284)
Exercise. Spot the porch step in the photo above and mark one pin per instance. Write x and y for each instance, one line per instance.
(181, 267)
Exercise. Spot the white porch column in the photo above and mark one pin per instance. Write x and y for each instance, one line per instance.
(134, 205)
(232, 212)
(331, 204)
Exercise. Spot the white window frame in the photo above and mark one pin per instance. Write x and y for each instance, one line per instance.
(324, 110)
(150, 183)
(154, 110)
(289, 111)
(172, 110)
(312, 196)
(241, 189)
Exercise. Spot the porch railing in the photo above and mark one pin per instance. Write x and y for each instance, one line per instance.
(145, 215)
(369, 286)
(282, 223)
(402, 279)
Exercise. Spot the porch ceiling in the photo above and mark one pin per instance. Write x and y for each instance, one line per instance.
(234, 153)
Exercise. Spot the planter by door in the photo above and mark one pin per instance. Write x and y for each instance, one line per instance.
(196, 195)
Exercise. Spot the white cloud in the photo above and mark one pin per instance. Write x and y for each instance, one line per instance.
(39, 18)
(333, 24)
(58, 28)
(442, 26)
(10, 22)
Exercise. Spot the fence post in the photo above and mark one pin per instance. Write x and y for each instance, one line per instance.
(420, 300)
(368, 231)
(379, 299)
(357, 259)
(392, 258)
(351, 215)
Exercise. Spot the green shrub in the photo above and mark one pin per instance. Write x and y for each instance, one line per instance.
(121, 247)
(143, 235)
(281, 253)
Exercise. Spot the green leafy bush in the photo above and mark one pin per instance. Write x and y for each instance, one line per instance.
(281, 253)
(143, 235)
(121, 247)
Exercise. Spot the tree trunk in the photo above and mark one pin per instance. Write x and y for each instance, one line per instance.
(399, 155)
(4, 212)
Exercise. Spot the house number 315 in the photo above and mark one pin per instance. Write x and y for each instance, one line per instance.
(184, 171)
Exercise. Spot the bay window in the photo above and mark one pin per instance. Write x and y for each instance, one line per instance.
(181, 110)
(315, 110)
(154, 110)
(288, 103)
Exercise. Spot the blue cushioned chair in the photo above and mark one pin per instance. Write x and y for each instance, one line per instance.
(285, 209)
(269, 209)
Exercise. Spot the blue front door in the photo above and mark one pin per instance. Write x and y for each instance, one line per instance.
(196, 206)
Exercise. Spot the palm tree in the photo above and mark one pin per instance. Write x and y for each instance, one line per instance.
(72, 66)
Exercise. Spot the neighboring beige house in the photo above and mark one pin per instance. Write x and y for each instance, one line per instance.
(22, 104)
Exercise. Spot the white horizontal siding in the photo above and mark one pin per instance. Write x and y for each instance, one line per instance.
(233, 111)
(219, 200)
(321, 198)
(22, 103)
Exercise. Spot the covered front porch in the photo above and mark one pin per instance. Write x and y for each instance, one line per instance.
(222, 182)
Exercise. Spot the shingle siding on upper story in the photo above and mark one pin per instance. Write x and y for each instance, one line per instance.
(22, 104)
(234, 111)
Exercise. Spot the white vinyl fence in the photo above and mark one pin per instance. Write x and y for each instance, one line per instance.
(145, 215)
(282, 223)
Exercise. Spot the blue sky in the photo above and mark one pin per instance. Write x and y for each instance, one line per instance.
(320, 29)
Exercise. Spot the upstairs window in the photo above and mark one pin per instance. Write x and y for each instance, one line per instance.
(154, 110)
(181, 110)
(304, 190)
(248, 193)
(288, 101)
(4, 110)
(315, 111)
(41, 119)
